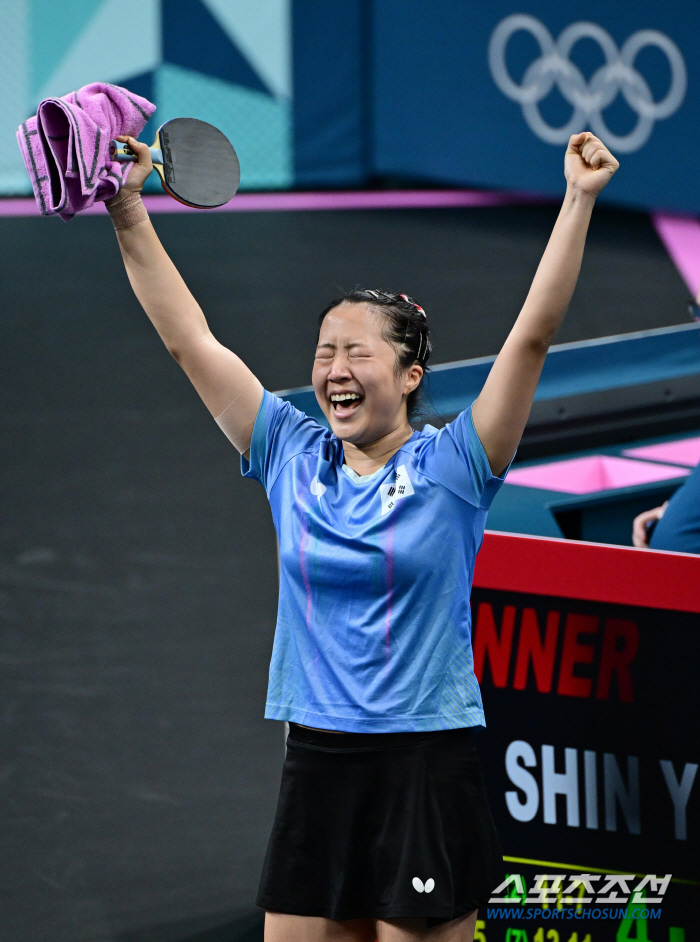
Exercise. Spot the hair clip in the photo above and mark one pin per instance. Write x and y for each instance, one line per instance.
(416, 306)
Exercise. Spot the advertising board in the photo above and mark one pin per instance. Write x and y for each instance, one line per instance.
(587, 658)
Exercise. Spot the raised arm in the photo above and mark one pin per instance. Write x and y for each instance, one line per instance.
(503, 406)
(220, 377)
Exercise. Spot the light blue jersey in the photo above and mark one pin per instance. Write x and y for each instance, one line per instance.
(374, 624)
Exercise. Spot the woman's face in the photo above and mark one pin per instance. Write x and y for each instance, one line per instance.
(354, 376)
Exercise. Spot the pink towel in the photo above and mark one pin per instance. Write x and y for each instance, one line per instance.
(66, 146)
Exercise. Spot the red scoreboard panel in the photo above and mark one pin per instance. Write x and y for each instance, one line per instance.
(588, 657)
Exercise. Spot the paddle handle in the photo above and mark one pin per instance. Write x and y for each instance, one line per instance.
(121, 151)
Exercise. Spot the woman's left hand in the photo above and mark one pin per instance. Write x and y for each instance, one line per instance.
(588, 164)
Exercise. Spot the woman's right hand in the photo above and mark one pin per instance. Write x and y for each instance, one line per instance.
(139, 171)
(640, 536)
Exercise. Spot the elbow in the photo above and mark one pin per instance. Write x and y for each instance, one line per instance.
(186, 349)
(536, 338)
(539, 345)
(175, 352)
(543, 341)
(182, 354)
(186, 343)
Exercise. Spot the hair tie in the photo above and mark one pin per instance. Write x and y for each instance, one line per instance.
(416, 306)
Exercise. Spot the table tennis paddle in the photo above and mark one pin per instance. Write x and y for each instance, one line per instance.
(196, 163)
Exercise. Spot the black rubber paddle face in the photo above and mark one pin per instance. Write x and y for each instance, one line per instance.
(200, 166)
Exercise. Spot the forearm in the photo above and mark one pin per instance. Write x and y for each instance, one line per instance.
(502, 408)
(160, 289)
(557, 273)
(224, 382)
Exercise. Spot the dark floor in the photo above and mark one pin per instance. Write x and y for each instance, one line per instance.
(137, 569)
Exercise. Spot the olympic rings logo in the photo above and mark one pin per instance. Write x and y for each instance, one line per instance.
(588, 98)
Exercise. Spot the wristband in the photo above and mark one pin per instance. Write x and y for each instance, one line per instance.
(127, 212)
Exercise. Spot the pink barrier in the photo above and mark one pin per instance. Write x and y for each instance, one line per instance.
(286, 202)
(685, 452)
(595, 473)
(681, 237)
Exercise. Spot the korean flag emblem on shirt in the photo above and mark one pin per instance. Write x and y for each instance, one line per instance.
(391, 493)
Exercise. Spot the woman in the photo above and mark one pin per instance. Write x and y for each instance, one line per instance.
(383, 829)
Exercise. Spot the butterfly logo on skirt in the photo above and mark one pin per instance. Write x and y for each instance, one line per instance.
(421, 887)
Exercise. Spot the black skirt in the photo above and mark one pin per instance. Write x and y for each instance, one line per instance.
(383, 826)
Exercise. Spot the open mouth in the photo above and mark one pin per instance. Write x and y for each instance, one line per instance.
(344, 404)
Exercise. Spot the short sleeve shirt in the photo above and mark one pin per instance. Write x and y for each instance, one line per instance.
(374, 623)
(679, 528)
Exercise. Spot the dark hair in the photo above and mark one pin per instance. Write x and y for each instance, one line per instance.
(405, 326)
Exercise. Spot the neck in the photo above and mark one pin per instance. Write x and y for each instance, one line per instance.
(368, 458)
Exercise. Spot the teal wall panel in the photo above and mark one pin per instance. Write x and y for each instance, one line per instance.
(258, 126)
(228, 64)
(53, 28)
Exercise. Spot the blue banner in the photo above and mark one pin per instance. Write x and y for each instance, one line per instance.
(330, 46)
(487, 95)
(318, 94)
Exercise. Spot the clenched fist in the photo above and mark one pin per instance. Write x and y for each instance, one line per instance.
(588, 164)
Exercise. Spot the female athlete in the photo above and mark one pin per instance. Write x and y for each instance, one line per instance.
(383, 829)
